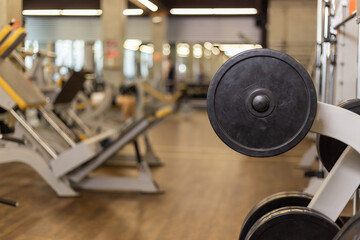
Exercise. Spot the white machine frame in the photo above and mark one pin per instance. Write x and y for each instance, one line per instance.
(344, 178)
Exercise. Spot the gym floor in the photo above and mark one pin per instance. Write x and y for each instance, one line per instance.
(209, 189)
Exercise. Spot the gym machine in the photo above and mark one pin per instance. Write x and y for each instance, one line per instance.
(88, 122)
(144, 183)
(16, 95)
(262, 103)
(62, 105)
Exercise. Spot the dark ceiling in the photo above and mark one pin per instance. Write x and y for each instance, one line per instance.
(210, 3)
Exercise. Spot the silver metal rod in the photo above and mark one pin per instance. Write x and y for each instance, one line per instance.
(358, 67)
(19, 59)
(345, 20)
(322, 33)
(32, 132)
(356, 202)
(318, 70)
(332, 53)
(318, 48)
(61, 124)
(79, 122)
(326, 21)
(325, 52)
(324, 86)
(56, 127)
(331, 84)
(319, 22)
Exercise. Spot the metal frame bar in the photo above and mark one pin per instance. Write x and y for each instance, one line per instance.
(82, 173)
(318, 47)
(27, 156)
(351, 16)
(56, 127)
(344, 178)
(33, 134)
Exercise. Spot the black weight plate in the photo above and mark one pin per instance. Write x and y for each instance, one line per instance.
(295, 223)
(275, 201)
(261, 103)
(330, 149)
(351, 230)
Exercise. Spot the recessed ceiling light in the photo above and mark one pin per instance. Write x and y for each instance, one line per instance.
(213, 11)
(133, 12)
(45, 12)
(76, 12)
(132, 44)
(62, 12)
(81, 12)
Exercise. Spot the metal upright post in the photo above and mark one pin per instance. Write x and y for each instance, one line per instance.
(325, 51)
(323, 36)
(356, 202)
(358, 69)
(318, 48)
(357, 194)
(332, 42)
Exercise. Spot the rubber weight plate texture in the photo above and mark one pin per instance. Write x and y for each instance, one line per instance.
(330, 149)
(273, 202)
(261, 103)
(295, 223)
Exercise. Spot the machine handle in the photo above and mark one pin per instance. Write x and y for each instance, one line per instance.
(12, 139)
(9, 202)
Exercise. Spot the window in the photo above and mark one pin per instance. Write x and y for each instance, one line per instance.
(129, 64)
(70, 54)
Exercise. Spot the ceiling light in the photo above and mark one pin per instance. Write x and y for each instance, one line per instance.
(132, 44)
(81, 12)
(208, 45)
(149, 5)
(207, 54)
(157, 19)
(233, 49)
(133, 12)
(213, 11)
(215, 51)
(197, 51)
(166, 49)
(63, 12)
(183, 50)
(182, 68)
(149, 49)
(76, 12)
(224, 47)
(47, 12)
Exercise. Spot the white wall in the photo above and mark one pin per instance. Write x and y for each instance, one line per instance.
(48, 29)
(213, 29)
(346, 63)
(292, 28)
(180, 29)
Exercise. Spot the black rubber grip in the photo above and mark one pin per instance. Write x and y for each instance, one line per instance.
(9, 202)
(12, 139)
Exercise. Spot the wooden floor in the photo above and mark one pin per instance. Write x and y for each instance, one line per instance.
(209, 189)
